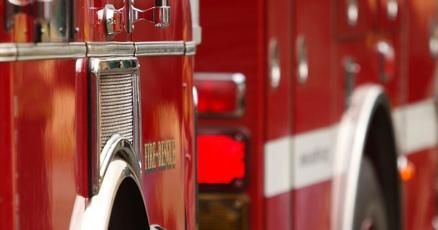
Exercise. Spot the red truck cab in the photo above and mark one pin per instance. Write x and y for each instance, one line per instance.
(97, 118)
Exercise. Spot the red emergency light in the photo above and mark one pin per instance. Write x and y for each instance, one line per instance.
(220, 94)
(221, 159)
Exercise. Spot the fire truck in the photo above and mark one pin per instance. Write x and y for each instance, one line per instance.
(97, 115)
(317, 114)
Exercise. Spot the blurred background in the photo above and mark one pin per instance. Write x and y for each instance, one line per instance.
(317, 114)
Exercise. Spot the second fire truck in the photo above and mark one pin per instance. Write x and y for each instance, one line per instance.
(317, 114)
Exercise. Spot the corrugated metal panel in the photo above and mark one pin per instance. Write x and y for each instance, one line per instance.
(116, 101)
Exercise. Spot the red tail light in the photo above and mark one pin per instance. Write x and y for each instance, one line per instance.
(221, 159)
(220, 94)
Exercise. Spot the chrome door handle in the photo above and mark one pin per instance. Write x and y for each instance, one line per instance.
(302, 59)
(113, 19)
(274, 63)
(159, 15)
(392, 9)
(352, 12)
(433, 39)
(352, 69)
(156, 227)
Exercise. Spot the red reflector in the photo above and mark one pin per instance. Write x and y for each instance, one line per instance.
(216, 97)
(220, 94)
(221, 159)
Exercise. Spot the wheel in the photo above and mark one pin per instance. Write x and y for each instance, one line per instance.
(370, 212)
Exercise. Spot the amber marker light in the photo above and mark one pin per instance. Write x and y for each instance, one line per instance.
(406, 169)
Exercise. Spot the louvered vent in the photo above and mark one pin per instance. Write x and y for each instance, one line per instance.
(116, 101)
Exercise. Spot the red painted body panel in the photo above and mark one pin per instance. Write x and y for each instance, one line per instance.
(45, 142)
(159, 109)
(420, 192)
(312, 206)
(165, 89)
(314, 101)
(7, 186)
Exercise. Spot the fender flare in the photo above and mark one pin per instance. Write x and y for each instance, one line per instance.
(97, 214)
(118, 163)
(350, 145)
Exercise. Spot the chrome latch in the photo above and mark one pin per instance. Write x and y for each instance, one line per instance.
(156, 227)
(159, 15)
(111, 18)
(114, 19)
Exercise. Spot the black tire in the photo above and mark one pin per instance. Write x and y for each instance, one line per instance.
(128, 210)
(370, 212)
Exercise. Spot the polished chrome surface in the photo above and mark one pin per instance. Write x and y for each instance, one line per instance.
(238, 79)
(159, 15)
(72, 50)
(111, 18)
(8, 52)
(53, 20)
(118, 146)
(159, 48)
(190, 48)
(302, 59)
(196, 28)
(351, 68)
(116, 106)
(195, 96)
(105, 49)
(39, 51)
(116, 98)
(20, 2)
(156, 227)
(274, 63)
(433, 39)
(386, 55)
(392, 9)
(352, 12)
(115, 109)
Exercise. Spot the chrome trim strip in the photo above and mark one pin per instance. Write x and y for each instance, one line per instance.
(30, 51)
(190, 48)
(43, 51)
(159, 48)
(100, 66)
(8, 52)
(110, 49)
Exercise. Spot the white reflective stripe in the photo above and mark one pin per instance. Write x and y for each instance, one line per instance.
(419, 126)
(278, 166)
(311, 160)
(311, 163)
(313, 156)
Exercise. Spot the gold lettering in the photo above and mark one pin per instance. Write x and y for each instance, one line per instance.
(160, 155)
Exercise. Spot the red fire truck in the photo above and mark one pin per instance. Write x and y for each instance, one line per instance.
(317, 114)
(96, 114)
